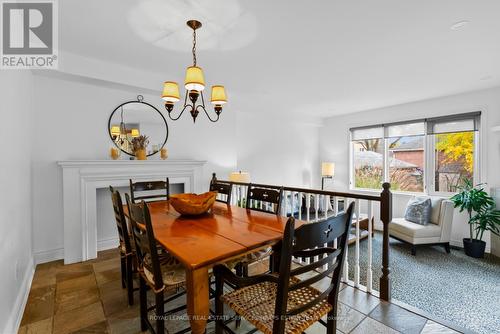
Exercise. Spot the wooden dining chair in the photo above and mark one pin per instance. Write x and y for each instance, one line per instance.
(126, 247)
(264, 198)
(159, 271)
(223, 189)
(149, 190)
(282, 302)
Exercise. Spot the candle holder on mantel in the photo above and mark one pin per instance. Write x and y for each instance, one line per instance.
(163, 153)
(114, 153)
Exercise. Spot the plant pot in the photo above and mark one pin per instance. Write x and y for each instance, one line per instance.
(141, 154)
(474, 248)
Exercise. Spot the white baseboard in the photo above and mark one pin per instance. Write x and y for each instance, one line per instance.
(48, 255)
(105, 244)
(16, 315)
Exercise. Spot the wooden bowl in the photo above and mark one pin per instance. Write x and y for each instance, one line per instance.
(193, 204)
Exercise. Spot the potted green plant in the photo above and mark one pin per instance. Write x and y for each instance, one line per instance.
(482, 216)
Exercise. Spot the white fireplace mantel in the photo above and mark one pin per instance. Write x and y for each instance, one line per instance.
(82, 178)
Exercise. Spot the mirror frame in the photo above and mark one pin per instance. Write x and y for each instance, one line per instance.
(140, 99)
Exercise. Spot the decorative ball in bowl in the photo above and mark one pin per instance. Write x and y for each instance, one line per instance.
(193, 204)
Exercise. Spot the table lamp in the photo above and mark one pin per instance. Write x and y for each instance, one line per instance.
(327, 172)
(241, 177)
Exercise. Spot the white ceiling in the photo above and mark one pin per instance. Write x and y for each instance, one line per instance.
(318, 58)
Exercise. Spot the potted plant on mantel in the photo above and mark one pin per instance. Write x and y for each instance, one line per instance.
(139, 145)
(482, 216)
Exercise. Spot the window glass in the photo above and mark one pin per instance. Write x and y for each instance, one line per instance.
(368, 160)
(406, 163)
(453, 160)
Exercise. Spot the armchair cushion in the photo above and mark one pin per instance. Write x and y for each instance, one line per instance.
(418, 210)
(412, 230)
(435, 207)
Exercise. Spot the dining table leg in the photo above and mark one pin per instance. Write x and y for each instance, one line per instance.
(198, 302)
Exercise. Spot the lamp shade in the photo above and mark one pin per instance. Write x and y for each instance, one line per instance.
(218, 95)
(327, 169)
(134, 133)
(194, 78)
(170, 92)
(115, 130)
(240, 176)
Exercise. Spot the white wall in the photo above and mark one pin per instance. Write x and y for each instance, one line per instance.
(278, 151)
(16, 258)
(334, 139)
(71, 116)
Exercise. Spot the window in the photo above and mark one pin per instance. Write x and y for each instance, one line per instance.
(431, 155)
(453, 152)
(368, 157)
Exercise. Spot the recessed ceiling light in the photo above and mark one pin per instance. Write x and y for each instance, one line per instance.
(459, 25)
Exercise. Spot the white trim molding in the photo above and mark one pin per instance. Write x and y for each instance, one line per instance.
(81, 179)
(16, 315)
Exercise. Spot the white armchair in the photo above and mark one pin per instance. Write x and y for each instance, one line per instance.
(438, 232)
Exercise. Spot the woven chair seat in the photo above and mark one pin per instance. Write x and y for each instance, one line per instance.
(256, 304)
(173, 272)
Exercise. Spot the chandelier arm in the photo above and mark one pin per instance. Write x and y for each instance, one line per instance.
(182, 111)
(208, 115)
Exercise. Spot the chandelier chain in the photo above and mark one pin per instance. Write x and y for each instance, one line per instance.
(194, 47)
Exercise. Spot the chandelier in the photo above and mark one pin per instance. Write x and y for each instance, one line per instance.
(194, 84)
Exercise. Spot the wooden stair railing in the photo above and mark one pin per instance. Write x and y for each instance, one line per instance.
(314, 205)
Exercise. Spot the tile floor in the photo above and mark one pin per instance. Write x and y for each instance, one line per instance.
(88, 298)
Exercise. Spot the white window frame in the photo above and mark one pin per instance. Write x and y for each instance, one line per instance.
(429, 160)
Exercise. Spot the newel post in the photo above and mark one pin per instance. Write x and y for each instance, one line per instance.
(386, 217)
(214, 178)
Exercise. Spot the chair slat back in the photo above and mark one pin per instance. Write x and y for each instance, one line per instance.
(264, 198)
(145, 242)
(121, 222)
(309, 241)
(223, 190)
(149, 190)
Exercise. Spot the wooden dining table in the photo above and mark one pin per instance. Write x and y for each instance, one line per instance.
(200, 242)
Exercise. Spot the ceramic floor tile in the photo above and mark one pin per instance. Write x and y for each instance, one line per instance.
(432, 327)
(108, 264)
(398, 318)
(114, 298)
(348, 318)
(39, 327)
(40, 305)
(78, 319)
(368, 325)
(88, 298)
(76, 298)
(359, 300)
(86, 281)
(125, 322)
(43, 278)
(101, 328)
(108, 275)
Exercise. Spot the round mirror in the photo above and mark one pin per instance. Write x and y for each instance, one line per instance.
(137, 118)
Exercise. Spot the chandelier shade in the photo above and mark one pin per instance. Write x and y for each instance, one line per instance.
(115, 130)
(170, 92)
(218, 95)
(195, 79)
(194, 101)
(134, 133)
